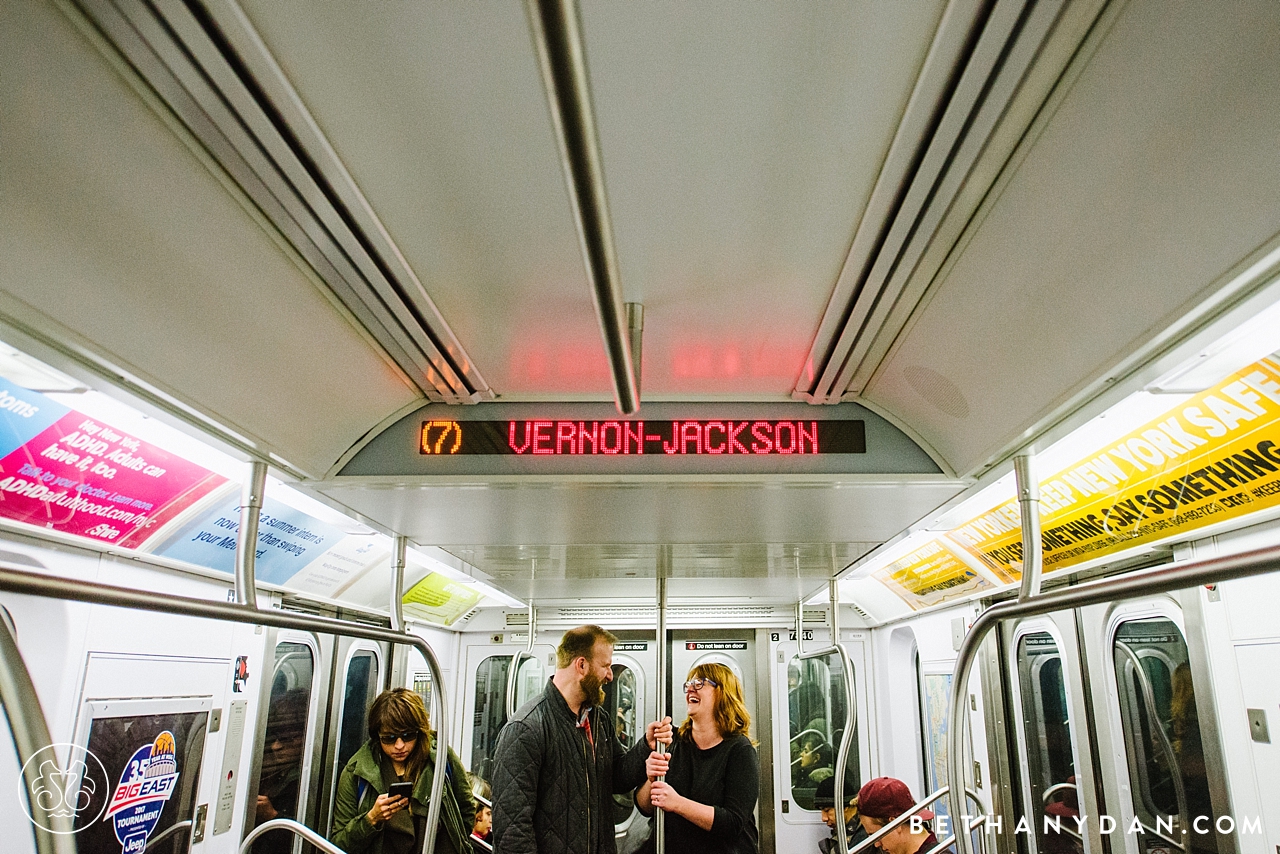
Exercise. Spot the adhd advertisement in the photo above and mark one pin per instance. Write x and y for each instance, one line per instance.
(61, 469)
(152, 763)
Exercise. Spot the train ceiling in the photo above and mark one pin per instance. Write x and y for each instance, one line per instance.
(292, 226)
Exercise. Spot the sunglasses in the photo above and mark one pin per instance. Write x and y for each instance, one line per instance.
(697, 682)
(408, 737)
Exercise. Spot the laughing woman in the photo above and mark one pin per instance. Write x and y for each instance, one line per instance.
(368, 818)
(713, 773)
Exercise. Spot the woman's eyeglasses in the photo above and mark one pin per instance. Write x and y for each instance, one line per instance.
(697, 682)
(408, 737)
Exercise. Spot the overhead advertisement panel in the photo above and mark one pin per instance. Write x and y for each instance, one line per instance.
(931, 574)
(666, 438)
(1213, 459)
(63, 470)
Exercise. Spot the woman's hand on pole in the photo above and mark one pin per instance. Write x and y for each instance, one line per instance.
(656, 765)
(658, 731)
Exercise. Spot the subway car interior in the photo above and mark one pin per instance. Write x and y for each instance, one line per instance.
(918, 361)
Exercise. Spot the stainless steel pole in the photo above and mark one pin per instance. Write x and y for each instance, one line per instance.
(247, 536)
(400, 545)
(659, 817)
(1029, 507)
(30, 731)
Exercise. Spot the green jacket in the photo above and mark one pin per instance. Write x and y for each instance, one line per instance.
(361, 783)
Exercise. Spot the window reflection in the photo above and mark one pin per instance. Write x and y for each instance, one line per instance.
(283, 746)
(1162, 734)
(817, 710)
(621, 702)
(490, 714)
(1050, 753)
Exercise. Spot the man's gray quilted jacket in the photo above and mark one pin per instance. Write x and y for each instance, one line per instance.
(550, 794)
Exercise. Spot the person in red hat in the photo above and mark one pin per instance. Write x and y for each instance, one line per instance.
(885, 798)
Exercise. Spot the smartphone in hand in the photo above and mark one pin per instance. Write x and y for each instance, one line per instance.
(400, 790)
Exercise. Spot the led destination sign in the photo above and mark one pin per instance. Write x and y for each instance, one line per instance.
(638, 438)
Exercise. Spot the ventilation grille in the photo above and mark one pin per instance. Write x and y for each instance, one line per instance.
(858, 610)
(517, 618)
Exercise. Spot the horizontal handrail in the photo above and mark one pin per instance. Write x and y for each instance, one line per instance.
(170, 831)
(297, 828)
(1164, 579)
(1055, 789)
(37, 584)
(484, 846)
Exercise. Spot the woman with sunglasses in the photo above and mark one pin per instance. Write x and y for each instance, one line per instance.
(368, 818)
(712, 772)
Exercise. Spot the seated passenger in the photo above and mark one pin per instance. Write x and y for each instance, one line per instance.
(885, 798)
(712, 772)
(1065, 808)
(825, 800)
(367, 819)
(482, 832)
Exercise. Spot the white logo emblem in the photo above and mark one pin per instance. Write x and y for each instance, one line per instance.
(58, 792)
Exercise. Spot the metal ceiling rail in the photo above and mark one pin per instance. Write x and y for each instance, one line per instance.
(980, 55)
(273, 150)
(851, 723)
(557, 36)
(36, 584)
(1147, 583)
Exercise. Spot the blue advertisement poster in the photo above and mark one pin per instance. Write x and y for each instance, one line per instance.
(288, 540)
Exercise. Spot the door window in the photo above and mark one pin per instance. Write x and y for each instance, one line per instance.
(621, 705)
(1046, 728)
(490, 714)
(284, 743)
(818, 713)
(358, 692)
(1162, 736)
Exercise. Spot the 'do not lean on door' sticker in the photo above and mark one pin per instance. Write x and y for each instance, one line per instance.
(148, 780)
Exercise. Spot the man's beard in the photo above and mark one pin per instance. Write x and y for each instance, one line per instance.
(593, 689)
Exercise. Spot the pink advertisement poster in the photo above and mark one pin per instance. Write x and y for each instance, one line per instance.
(63, 470)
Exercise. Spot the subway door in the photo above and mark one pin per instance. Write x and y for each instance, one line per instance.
(359, 669)
(810, 714)
(1050, 739)
(736, 649)
(630, 702)
(1158, 755)
(286, 770)
(484, 687)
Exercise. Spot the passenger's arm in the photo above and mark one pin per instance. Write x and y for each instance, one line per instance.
(517, 768)
(352, 829)
(741, 788)
(655, 766)
(629, 767)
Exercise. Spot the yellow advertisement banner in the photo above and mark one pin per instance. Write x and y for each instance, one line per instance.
(438, 599)
(929, 575)
(1215, 458)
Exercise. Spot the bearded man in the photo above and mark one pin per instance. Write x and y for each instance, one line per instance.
(558, 762)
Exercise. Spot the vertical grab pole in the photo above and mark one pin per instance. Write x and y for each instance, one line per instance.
(1029, 507)
(397, 583)
(30, 733)
(247, 536)
(659, 817)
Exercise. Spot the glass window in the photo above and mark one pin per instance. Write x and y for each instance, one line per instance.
(284, 743)
(621, 701)
(490, 714)
(1050, 753)
(358, 693)
(1162, 734)
(817, 712)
